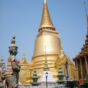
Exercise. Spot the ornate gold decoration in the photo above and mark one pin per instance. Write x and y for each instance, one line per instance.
(73, 71)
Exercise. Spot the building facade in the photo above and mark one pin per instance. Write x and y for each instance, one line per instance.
(81, 60)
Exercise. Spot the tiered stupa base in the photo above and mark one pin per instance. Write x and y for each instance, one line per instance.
(51, 82)
(42, 85)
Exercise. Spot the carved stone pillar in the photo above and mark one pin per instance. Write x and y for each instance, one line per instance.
(81, 68)
(76, 63)
(86, 64)
(77, 68)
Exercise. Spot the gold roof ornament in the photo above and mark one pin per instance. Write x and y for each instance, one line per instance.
(46, 22)
(23, 59)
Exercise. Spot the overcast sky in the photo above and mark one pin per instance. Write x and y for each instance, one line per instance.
(23, 17)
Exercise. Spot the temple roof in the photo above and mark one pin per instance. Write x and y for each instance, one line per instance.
(84, 50)
(46, 21)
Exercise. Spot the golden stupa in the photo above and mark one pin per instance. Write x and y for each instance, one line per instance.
(47, 44)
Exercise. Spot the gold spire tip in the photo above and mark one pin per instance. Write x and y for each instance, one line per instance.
(46, 21)
(44, 1)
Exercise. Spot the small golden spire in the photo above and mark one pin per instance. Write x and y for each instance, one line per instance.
(24, 59)
(44, 1)
(46, 22)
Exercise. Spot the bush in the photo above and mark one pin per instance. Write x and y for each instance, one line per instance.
(84, 84)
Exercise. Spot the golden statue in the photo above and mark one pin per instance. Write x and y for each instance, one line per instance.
(47, 37)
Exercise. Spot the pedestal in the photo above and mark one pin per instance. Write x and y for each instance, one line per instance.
(24, 86)
(49, 85)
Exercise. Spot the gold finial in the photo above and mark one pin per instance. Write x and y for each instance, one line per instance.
(44, 1)
(23, 59)
(46, 22)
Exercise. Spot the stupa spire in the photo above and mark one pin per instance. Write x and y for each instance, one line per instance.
(24, 58)
(46, 22)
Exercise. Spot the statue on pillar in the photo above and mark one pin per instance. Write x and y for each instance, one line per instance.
(13, 67)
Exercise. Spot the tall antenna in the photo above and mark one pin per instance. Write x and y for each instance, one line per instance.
(85, 5)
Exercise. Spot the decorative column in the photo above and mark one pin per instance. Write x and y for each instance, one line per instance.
(77, 66)
(81, 68)
(86, 64)
(76, 63)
